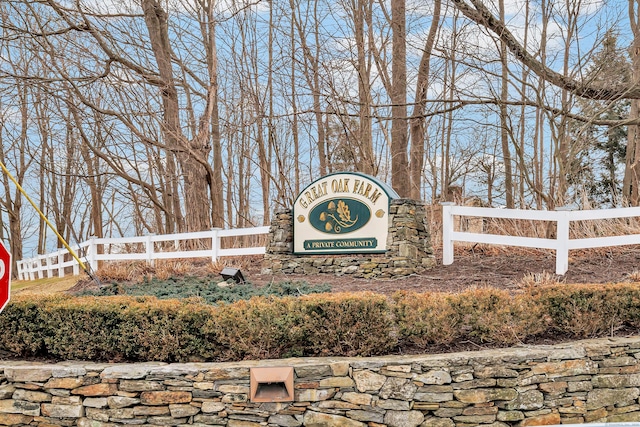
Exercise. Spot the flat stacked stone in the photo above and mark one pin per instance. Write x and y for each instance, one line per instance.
(409, 248)
(582, 382)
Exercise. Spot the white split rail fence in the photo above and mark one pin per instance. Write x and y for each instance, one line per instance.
(562, 243)
(54, 264)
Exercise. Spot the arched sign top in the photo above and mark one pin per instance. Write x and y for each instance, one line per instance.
(343, 212)
(352, 176)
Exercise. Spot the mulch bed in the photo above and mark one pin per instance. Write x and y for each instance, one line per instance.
(476, 266)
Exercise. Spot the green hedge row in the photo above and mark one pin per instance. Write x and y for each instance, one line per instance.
(122, 328)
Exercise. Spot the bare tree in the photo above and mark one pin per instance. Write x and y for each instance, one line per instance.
(311, 66)
(504, 126)
(360, 11)
(418, 121)
(399, 138)
(631, 181)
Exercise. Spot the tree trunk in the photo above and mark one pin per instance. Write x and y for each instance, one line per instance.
(311, 73)
(417, 123)
(366, 164)
(399, 162)
(294, 109)
(265, 167)
(631, 180)
(191, 155)
(504, 131)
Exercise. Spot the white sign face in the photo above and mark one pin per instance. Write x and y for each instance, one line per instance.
(343, 212)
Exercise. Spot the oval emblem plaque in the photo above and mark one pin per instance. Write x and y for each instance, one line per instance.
(339, 216)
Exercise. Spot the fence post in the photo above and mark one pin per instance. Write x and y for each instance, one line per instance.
(32, 270)
(20, 266)
(49, 266)
(562, 240)
(447, 231)
(60, 258)
(76, 266)
(149, 249)
(92, 250)
(40, 267)
(215, 244)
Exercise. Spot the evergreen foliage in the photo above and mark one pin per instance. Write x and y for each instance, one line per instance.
(206, 288)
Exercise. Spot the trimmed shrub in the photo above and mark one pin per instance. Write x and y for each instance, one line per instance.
(348, 324)
(586, 311)
(121, 328)
(255, 329)
(314, 325)
(425, 319)
(23, 333)
(143, 328)
(488, 315)
(484, 315)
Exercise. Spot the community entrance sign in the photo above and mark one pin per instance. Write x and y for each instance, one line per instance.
(344, 212)
(5, 276)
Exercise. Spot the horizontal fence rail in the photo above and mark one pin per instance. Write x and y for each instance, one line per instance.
(561, 243)
(203, 244)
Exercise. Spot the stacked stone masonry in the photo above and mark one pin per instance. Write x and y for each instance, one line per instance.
(582, 382)
(409, 248)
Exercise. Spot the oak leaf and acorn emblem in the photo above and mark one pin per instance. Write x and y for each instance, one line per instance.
(337, 217)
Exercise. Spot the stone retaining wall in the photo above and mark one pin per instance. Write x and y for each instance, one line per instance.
(409, 248)
(587, 381)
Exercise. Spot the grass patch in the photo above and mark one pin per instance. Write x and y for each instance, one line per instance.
(43, 286)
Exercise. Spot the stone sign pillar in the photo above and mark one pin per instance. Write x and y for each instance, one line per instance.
(348, 223)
